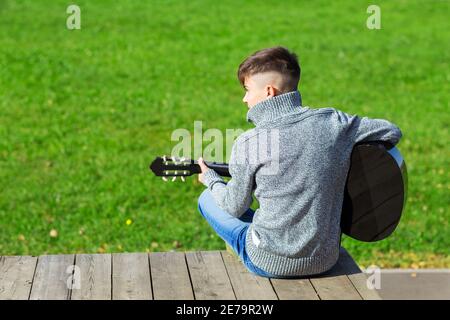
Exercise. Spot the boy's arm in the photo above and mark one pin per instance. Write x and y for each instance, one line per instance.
(235, 197)
(366, 129)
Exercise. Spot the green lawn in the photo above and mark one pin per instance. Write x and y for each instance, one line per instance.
(82, 113)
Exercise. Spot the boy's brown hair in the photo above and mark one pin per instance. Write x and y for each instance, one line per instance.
(278, 59)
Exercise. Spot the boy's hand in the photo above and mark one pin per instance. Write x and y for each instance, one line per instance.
(203, 167)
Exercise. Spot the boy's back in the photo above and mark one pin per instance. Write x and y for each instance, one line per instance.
(299, 182)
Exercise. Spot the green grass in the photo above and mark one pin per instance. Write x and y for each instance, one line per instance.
(82, 113)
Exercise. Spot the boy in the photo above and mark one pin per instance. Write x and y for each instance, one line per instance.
(296, 229)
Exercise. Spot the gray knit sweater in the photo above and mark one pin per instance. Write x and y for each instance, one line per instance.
(295, 161)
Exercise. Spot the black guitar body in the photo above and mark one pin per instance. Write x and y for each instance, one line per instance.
(375, 192)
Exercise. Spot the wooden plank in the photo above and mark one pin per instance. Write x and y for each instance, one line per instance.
(335, 288)
(335, 284)
(170, 276)
(356, 276)
(294, 289)
(246, 285)
(209, 276)
(52, 279)
(131, 277)
(16, 277)
(94, 277)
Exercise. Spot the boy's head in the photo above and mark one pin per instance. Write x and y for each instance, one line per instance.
(267, 73)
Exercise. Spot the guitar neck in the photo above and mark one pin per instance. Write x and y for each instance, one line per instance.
(220, 167)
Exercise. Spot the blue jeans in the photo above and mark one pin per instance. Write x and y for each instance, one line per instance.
(232, 230)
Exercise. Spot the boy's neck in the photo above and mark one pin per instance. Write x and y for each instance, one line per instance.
(274, 107)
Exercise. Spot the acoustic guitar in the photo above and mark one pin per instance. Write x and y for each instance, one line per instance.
(374, 195)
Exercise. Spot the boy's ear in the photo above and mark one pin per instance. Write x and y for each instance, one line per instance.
(271, 91)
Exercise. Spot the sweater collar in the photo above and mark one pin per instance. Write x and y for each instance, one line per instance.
(274, 107)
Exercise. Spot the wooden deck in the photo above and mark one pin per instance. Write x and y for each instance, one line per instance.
(167, 275)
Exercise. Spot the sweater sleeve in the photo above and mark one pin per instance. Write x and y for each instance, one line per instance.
(235, 197)
(364, 129)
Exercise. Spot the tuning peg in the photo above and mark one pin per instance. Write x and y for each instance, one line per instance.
(174, 178)
(164, 158)
(182, 179)
(164, 179)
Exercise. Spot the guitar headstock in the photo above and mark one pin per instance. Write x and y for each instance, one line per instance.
(173, 167)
